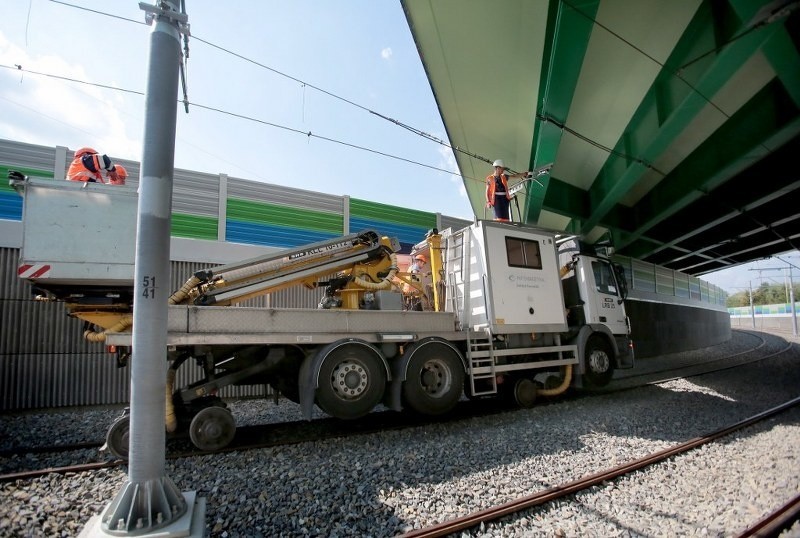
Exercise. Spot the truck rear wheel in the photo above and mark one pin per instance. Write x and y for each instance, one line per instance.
(599, 362)
(435, 379)
(352, 380)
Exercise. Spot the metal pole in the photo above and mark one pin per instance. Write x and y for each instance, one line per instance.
(149, 500)
(752, 308)
(791, 301)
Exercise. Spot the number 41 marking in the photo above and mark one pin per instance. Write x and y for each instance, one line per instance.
(149, 287)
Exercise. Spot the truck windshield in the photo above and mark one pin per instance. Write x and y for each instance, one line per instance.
(604, 278)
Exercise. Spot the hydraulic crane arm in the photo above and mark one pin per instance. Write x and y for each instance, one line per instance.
(243, 280)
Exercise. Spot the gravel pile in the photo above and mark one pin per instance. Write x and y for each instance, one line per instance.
(386, 484)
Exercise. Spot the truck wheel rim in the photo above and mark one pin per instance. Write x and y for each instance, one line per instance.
(349, 379)
(598, 361)
(436, 378)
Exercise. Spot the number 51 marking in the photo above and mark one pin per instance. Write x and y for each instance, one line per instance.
(149, 287)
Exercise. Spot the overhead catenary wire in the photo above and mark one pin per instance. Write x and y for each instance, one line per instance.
(309, 134)
(303, 84)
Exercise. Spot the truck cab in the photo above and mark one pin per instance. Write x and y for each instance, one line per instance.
(595, 290)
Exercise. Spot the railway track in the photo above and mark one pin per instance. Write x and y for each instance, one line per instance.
(295, 432)
(267, 436)
(780, 520)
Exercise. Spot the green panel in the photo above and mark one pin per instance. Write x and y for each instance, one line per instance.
(282, 215)
(194, 226)
(784, 58)
(669, 108)
(570, 201)
(390, 213)
(565, 199)
(569, 33)
(729, 150)
(4, 186)
(781, 51)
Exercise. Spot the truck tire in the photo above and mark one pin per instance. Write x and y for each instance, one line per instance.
(434, 379)
(598, 362)
(352, 380)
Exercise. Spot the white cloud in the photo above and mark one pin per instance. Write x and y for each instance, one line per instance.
(61, 112)
(448, 162)
(386, 53)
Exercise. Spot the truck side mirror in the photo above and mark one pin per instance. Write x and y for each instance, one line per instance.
(622, 283)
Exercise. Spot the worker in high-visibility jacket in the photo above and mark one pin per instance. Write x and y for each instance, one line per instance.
(117, 175)
(88, 166)
(497, 195)
(420, 274)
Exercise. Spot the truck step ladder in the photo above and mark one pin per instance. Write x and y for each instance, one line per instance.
(480, 354)
(480, 341)
(456, 253)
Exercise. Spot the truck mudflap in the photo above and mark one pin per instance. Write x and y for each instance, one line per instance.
(626, 354)
(346, 379)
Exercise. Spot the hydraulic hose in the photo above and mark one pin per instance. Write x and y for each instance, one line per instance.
(385, 283)
(566, 380)
(170, 419)
(93, 336)
(179, 296)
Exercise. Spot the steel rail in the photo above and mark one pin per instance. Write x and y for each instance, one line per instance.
(776, 522)
(570, 488)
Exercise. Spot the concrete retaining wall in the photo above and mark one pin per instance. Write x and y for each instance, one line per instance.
(659, 328)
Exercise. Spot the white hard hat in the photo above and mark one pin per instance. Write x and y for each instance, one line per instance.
(499, 162)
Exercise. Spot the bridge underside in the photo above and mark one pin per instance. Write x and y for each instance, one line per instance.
(673, 126)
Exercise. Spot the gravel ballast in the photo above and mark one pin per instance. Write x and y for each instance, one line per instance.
(388, 483)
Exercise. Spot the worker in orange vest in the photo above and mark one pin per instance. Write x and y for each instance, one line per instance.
(497, 195)
(87, 165)
(117, 175)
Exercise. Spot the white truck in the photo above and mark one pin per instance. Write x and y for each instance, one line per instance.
(504, 314)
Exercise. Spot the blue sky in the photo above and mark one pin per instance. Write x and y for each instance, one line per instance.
(773, 270)
(359, 50)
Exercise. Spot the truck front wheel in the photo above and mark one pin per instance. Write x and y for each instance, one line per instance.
(352, 380)
(598, 362)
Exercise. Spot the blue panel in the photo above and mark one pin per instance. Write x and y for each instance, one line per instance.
(405, 248)
(403, 232)
(272, 236)
(10, 206)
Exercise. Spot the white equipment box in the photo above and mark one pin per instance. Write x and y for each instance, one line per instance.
(89, 234)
